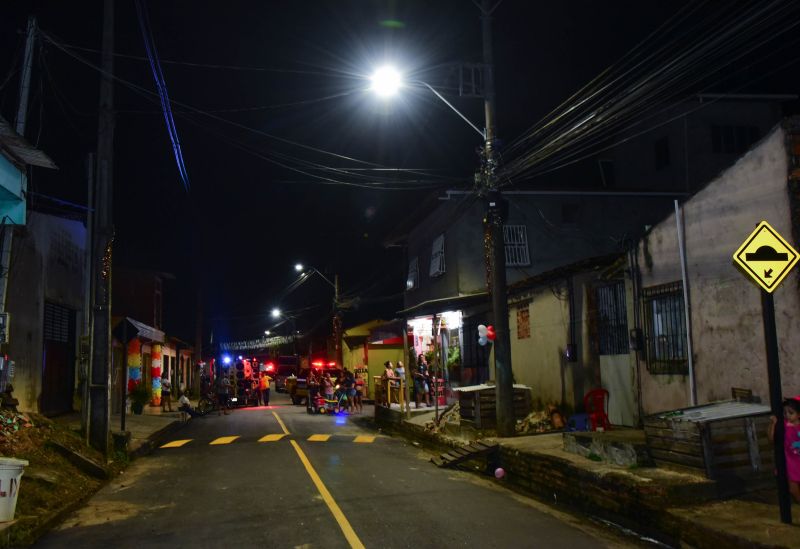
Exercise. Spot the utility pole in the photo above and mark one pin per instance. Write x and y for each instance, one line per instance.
(495, 246)
(20, 123)
(100, 376)
(337, 322)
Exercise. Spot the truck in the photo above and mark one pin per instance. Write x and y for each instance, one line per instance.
(297, 386)
(286, 366)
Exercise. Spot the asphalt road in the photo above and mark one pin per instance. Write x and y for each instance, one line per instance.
(289, 491)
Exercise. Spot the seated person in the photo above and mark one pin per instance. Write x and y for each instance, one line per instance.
(185, 406)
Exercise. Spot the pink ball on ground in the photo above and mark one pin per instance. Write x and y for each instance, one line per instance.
(499, 472)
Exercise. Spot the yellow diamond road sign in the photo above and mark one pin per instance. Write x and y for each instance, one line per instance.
(766, 257)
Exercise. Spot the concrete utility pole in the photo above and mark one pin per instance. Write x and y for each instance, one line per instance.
(22, 117)
(337, 322)
(100, 376)
(493, 227)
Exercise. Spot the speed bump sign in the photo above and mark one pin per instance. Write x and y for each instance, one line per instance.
(766, 257)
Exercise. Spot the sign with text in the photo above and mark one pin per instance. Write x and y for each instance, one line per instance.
(766, 257)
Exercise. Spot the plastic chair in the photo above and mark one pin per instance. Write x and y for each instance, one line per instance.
(596, 404)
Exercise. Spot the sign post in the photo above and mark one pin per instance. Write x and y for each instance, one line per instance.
(766, 258)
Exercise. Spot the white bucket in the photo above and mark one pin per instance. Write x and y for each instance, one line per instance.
(11, 470)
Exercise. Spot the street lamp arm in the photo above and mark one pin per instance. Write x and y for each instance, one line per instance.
(455, 110)
(325, 278)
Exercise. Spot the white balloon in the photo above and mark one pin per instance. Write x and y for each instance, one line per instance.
(482, 330)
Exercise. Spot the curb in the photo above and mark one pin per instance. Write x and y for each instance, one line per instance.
(152, 441)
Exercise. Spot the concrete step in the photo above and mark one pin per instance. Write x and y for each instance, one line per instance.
(624, 447)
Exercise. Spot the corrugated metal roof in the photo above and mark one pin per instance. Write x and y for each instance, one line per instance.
(483, 387)
(22, 151)
(717, 411)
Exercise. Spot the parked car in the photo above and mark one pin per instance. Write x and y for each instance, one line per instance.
(286, 366)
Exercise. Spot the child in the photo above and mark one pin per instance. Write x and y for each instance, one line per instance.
(791, 442)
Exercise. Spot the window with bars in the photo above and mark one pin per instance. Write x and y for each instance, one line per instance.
(413, 274)
(612, 319)
(437, 257)
(515, 238)
(665, 329)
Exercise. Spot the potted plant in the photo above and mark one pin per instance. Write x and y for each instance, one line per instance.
(139, 396)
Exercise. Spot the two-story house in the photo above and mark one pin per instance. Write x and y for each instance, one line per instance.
(580, 218)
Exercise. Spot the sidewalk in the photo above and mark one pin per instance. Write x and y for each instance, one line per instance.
(146, 429)
(674, 507)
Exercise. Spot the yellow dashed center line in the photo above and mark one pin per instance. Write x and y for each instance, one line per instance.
(223, 440)
(271, 438)
(176, 443)
(364, 439)
(319, 438)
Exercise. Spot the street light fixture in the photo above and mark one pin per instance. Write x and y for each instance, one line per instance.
(276, 313)
(266, 332)
(386, 81)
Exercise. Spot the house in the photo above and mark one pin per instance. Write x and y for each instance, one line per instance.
(725, 330)
(46, 302)
(143, 353)
(565, 235)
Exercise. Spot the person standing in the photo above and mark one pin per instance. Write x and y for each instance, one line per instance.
(166, 394)
(223, 389)
(791, 443)
(263, 389)
(349, 384)
(358, 404)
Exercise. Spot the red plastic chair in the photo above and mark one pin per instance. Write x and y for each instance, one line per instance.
(596, 404)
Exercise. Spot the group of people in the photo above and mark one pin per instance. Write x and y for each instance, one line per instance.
(351, 384)
(421, 376)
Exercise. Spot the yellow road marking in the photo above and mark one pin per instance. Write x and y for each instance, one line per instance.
(176, 443)
(364, 438)
(271, 438)
(223, 440)
(280, 422)
(344, 524)
(319, 438)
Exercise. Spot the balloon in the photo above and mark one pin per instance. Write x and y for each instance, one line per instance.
(490, 333)
(482, 341)
(499, 473)
(482, 330)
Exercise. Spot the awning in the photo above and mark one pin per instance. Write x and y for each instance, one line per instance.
(22, 151)
(141, 330)
(435, 306)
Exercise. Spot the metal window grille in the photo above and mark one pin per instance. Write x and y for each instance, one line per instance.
(665, 328)
(612, 319)
(515, 238)
(437, 257)
(413, 274)
(57, 321)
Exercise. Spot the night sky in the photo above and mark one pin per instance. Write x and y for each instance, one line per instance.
(296, 71)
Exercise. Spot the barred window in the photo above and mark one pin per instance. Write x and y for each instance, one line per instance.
(413, 274)
(523, 321)
(665, 326)
(515, 238)
(437, 257)
(612, 319)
